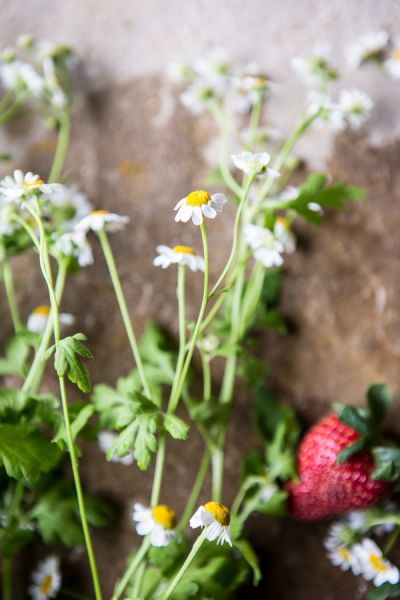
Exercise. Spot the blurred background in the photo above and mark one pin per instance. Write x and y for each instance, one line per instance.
(137, 151)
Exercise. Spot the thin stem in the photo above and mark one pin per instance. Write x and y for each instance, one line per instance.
(235, 240)
(217, 474)
(139, 580)
(64, 132)
(33, 378)
(7, 578)
(224, 126)
(28, 230)
(205, 362)
(139, 556)
(10, 293)
(179, 387)
(112, 268)
(196, 490)
(195, 548)
(255, 118)
(46, 270)
(392, 540)
(158, 470)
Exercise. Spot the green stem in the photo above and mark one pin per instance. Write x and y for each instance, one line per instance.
(33, 378)
(10, 293)
(196, 547)
(46, 270)
(196, 490)
(139, 580)
(224, 126)
(112, 268)
(255, 118)
(181, 381)
(139, 556)
(392, 540)
(217, 474)
(235, 241)
(64, 132)
(7, 578)
(9, 113)
(158, 470)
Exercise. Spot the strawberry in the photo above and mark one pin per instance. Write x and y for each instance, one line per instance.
(327, 488)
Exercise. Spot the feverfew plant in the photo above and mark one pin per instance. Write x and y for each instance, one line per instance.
(134, 421)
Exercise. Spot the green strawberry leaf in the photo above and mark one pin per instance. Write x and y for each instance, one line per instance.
(357, 446)
(387, 463)
(379, 398)
(67, 360)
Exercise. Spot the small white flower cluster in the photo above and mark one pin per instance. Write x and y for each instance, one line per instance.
(316, 68)
(377, 47)
(267, 245)
(32, 70)
(351, 109)
(362, 557)
(213, 78)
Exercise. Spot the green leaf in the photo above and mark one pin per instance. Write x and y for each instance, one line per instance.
(68, 362)
(387, 463)
(13, 540)
(271, 286)
(26, 452)
(352, 449)
(385, 591)
(169, 557)
(356, 418)
(140, 437)
(379, 398)
(77, 425)
(16, 354)
(251, 558)
(177, 428)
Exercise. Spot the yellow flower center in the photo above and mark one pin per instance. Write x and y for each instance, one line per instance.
(344, 553)
(32, 184)
(198, 198)
(42, 310)
(284, 222)
(220, 512)
(165, 516)
(47, 585)
(99, 212)
(378, 563)
(396, 54)
(183, 249)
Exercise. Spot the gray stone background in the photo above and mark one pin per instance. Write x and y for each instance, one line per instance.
(137, 151)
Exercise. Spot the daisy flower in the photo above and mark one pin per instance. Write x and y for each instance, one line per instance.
(340, 550)
(357, 520)
(14, 187)
(355, 105)
(254, 163)
(373, 566)
(284, 235)
(247, 90)
(214, 64)
(158, 522)
(315, 69)
(216, 518)
(197, 204)
(106, 439)
(392, 63)
(38, 318)
(181, 255)
(19, 76)
(329, 113)
(71, 200)
(199, 94)
(98, 220)
(46, 579)
(369, 46)
(266, 248)
(74, 243)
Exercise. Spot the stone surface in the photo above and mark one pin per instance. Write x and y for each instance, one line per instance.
(134, 150)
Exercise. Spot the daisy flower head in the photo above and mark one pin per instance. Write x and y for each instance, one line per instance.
(284, 234)
(39, 317)
(340, 549)
(99, 220)
(46, 579)
(216, 518)
(315, 69)
(74, 243)
(251, 163)
(266, 248)
(214, 65)
(178, 255)
(15, 187)
(197, 204)
(72, 202)
(199, 94)
(106, 439)
(247, 90)
(373, 566)
(392, 63)
(370, 46)
(355, 106)
(22, 78)
(158, 522)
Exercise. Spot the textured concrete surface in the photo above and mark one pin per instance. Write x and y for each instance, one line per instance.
(135, 150)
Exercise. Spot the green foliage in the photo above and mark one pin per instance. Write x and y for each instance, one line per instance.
(177, 428)
(67, 361)
(365, 421)
(317, 190)
(78, 423)
(387, 463)
(250, 557)
(385, 591)
(158, 359)
(16, 354)
(56, 514)
(26, 452)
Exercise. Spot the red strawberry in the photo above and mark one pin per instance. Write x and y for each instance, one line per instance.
(326, 488)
